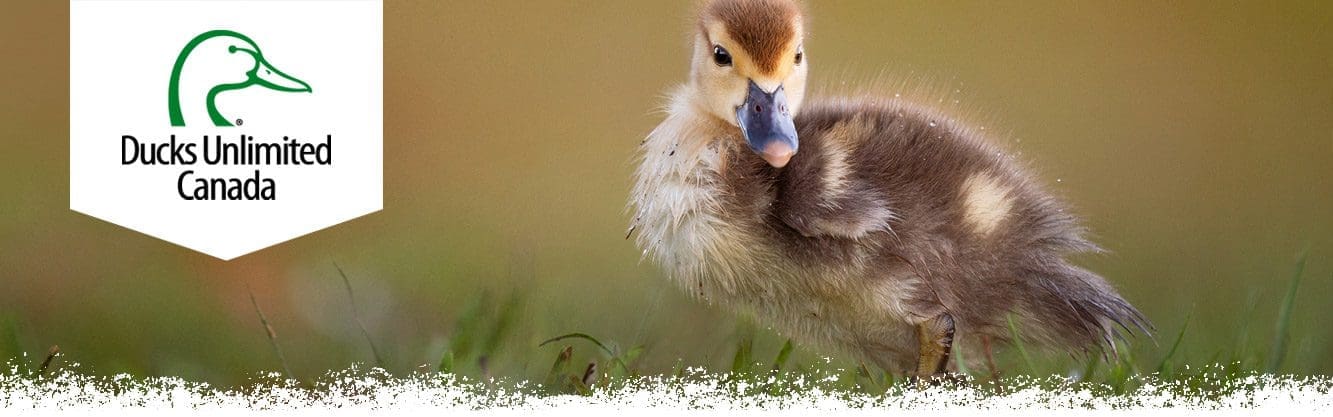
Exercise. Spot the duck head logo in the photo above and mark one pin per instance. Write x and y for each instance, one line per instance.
(215, 62)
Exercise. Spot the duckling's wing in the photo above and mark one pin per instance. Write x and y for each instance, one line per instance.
(820, 193)
(845, 217)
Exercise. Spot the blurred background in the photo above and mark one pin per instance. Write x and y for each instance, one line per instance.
(1195, 139)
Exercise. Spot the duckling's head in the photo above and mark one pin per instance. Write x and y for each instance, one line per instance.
(749, 70)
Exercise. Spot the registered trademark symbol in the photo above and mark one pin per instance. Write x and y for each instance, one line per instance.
(239, 122)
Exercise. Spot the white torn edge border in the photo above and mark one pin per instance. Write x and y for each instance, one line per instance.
(374, 393)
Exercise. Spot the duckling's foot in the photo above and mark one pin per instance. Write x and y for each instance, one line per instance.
(935, 339)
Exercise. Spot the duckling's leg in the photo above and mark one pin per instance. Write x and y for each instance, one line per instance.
(990, 358)
(935, 338)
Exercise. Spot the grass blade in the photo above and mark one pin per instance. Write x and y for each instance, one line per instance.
(783, 355)
(560, 367)
(1241, 351)
(1018, 344)
(272, 337)
(504, 324)
(356, 316)
(1284, 317)
(594, 341)
(867, 381)
(583, 336)
(628, 357)
(958, 359)
(744, 355)
(50, 358)
(1090, 368)
(10, 347)
(446, 361)
(463, 340)
(1161, 367)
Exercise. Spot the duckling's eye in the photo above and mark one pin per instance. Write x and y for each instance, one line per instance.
(800, 55)
(721, 56)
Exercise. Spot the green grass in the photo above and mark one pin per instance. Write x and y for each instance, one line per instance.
(1120, 373)
(487, 343)
(10, 346)
(1282, 335)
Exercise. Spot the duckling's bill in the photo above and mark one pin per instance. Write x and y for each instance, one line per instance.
(766, 122)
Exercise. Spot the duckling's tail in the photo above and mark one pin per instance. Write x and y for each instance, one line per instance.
(1072, 307)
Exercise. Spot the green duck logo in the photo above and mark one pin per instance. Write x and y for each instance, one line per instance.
(220, 61)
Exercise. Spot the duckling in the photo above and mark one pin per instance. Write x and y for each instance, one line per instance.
(878, 227)
(227, 61)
